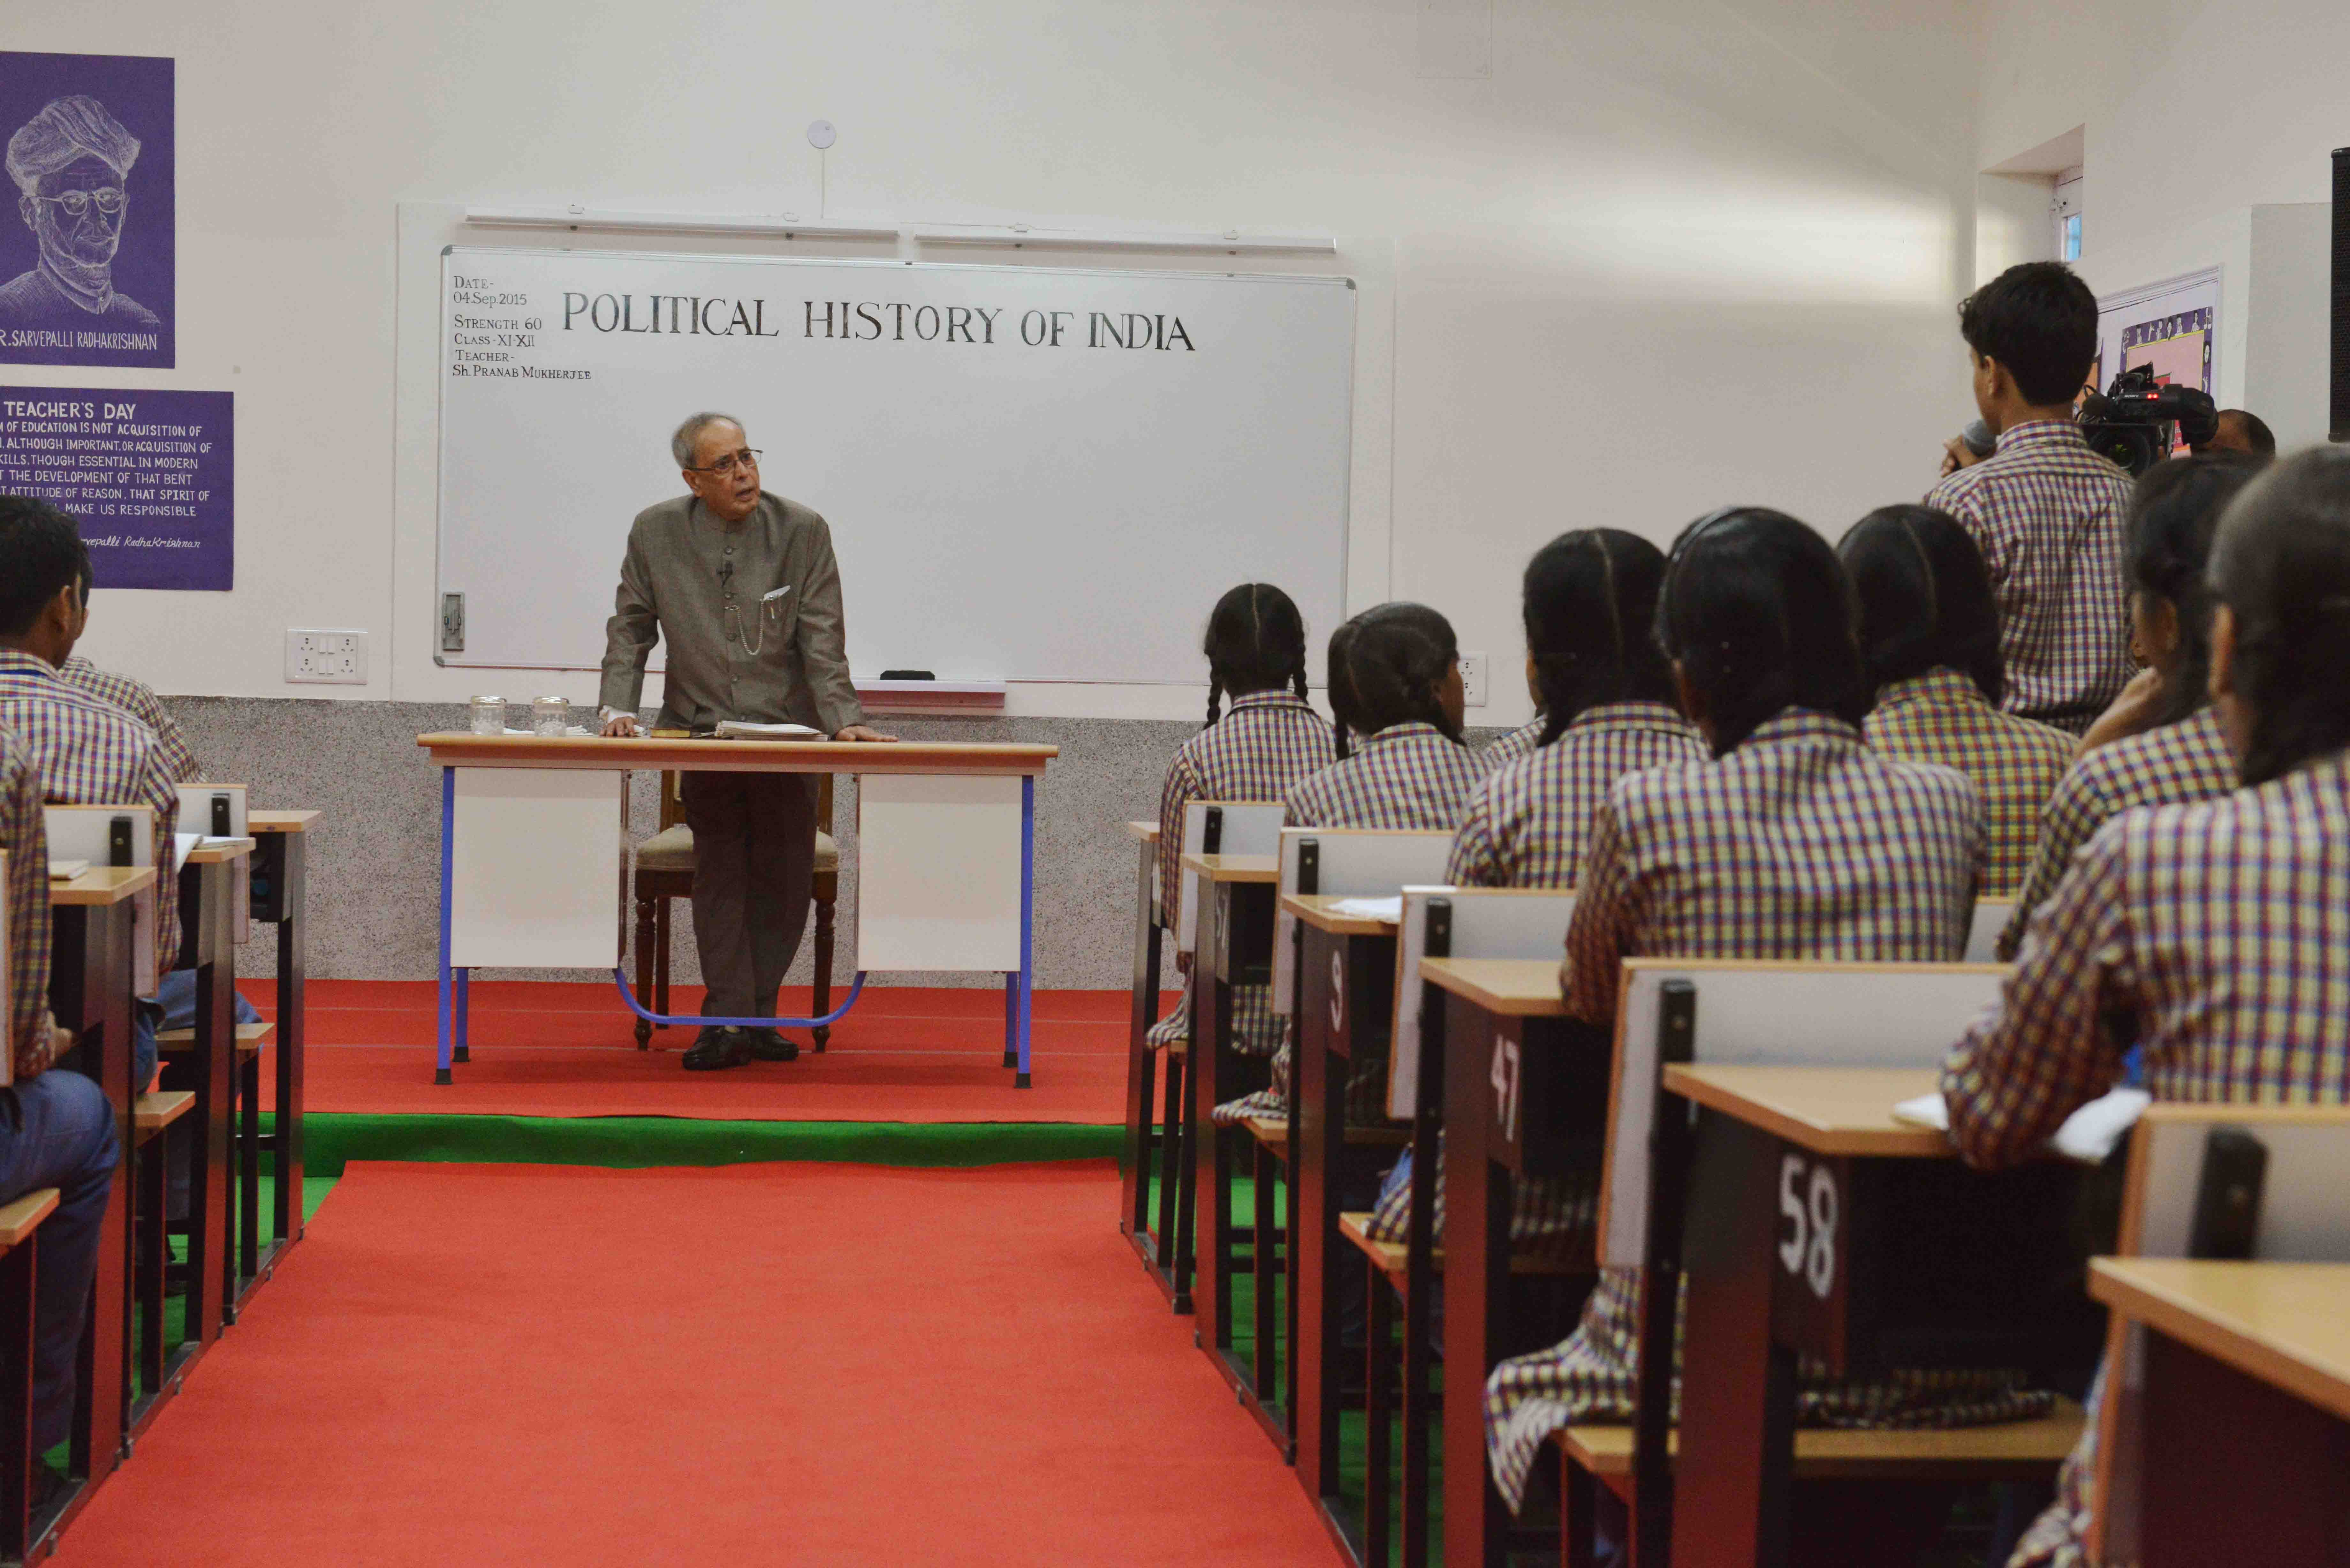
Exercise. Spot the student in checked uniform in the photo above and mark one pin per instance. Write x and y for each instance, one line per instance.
(1394, 682)
(1794, 841)
(2209, 935)
(2159, 744)
(1268, 739)
(1606, 695)
(1930, 638)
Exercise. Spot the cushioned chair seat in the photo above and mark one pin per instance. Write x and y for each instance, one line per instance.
(671, 849)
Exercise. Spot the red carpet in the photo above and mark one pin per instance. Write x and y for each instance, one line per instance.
(557, 1049)
(801, 1365)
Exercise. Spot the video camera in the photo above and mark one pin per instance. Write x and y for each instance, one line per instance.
(2133, 422)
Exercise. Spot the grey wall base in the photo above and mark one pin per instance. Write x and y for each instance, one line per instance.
(375, 856)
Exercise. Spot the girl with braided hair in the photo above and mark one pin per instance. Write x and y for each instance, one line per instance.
(1395, 684)
(2207, 933)
(1261, 736)
(1607, 696)
(1793, 840)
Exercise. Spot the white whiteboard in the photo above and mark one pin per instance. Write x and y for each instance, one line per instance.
(1013, 509)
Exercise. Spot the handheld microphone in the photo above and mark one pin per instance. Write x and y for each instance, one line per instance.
(1979, 438)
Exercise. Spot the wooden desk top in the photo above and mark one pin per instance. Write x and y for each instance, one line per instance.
(1145, 831)
(227, 849)
(1828, 1110)
(2287, 1324)
(645, 753)
(1236, 867)
(1319, 910)
(1512, 988)
(280, 821)
(102, 885)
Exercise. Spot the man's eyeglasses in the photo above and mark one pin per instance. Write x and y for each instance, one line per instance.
(76, 202)
(747, 458)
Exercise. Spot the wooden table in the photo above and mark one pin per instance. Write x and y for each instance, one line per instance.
(1819, 1225)
(90, 990)
(1233, 947)
(208, 945)
(2245, 1413)
(280, 896)
(532, 873)
(1344, 1002)
(1150, 1144)
(1520, 1080)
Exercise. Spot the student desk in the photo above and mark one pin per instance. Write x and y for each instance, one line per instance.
(532, 873)
(208, 945)
(1235, 947)
(2245, 1410)
(1514, 1062)
(1144, 1131)
(280, 896)
(1819, 1225)
(1346, 998)
(91, 970)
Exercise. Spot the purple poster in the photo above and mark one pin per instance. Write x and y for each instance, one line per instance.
(85, 254)
(149, 475)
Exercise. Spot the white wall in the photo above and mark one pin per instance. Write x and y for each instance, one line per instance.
(1664, 256)
(2196, 114)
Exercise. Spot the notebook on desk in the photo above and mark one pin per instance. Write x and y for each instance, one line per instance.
(743, 729)
(67, 870)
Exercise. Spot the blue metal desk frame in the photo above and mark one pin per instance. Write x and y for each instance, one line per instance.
(1019, 985)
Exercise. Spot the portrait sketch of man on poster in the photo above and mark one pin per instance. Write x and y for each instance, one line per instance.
(71, 166)
(87, 244)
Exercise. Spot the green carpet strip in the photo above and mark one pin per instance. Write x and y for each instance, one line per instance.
(330, 1140)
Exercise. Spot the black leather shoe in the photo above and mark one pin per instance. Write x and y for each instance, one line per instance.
(769, 1046)
(717, 1047)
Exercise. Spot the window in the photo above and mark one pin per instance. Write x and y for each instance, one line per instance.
(2067, 212)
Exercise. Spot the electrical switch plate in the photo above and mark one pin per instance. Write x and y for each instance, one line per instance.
(325, 658)
(1472, 679)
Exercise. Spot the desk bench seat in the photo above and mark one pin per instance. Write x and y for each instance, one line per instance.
(1272, 1132)
(2015, 1451)
(20, 1219)
(151, 1112)
(1390, 1257)
(179, 1042)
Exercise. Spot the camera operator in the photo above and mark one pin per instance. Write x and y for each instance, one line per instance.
(2046, 509)
(2243, 430)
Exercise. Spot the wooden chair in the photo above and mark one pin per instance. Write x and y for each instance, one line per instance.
(150, 1115)
(19, 1221)
(1209, 827)
(2191, 1192)
(1437, 922)
(1776, 1013)
(665, 871)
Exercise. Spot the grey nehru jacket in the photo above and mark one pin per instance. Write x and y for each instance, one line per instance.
(693, 583)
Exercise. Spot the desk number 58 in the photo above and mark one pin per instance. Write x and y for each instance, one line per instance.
(1810, 1250)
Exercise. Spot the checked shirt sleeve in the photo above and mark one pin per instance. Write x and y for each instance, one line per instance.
(2047, 1048)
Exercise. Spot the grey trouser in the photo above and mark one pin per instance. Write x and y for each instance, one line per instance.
(753, 855)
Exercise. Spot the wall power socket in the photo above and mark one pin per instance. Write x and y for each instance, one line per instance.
(327, 657)
(1472, 680)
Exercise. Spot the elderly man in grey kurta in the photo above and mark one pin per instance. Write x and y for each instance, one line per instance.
(744, 588)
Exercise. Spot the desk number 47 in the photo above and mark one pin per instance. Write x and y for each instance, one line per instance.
(1506, 1087)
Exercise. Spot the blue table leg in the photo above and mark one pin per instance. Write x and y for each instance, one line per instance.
(1026, 978)
(464, 1015)
(1012, 1018)
(448, 867)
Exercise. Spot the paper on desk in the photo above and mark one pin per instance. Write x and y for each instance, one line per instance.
(1388, 910)
(2088, 1135)
(67, 870)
